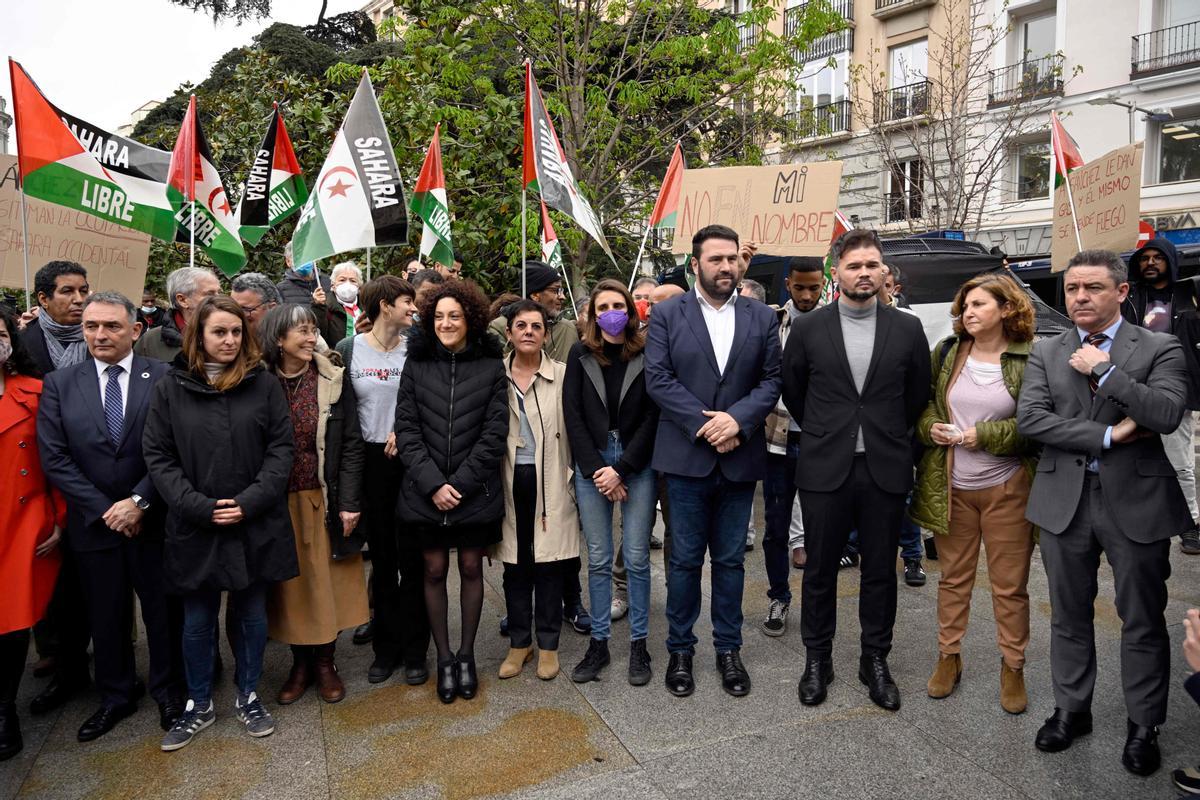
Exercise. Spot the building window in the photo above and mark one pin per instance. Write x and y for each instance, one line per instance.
(905, 194)
(909, 63)
(1179, 150)
(1032, 168)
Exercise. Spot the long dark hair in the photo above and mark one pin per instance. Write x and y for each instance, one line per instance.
(21, 361)
(635, 339)
(193, 344)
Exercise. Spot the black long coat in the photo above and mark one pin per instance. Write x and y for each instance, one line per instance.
(202, 445)
(451, 427)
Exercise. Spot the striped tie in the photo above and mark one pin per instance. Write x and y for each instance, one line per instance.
(1095, 340)
(114, 415)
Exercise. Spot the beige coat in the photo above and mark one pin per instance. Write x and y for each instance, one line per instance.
(559, 539)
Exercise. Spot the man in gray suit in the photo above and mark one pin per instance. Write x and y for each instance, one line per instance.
(1097, 397)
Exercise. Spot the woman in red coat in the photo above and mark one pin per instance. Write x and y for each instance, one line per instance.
(32, 516)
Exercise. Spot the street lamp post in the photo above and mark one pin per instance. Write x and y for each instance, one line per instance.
(1151, 115)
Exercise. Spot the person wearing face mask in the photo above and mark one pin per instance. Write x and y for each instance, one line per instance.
(304, 285)
(541, 523)
(218, 445)
(149, 313)
(186, 287)
(346, 279)
(324, 502)
(611, 424)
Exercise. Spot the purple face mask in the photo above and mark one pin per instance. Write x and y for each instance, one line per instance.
(613, 322)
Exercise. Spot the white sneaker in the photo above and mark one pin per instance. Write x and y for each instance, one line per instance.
(620, 607)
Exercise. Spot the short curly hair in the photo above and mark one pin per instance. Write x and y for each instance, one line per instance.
(468, 295)
(1019, 318)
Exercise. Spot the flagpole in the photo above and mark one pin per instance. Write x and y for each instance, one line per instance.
(25, 245)
(523, 193)
(1074, 218)
(192, 236)
(570, 295)
(1056, 135)
(637, 263)
(368, 263)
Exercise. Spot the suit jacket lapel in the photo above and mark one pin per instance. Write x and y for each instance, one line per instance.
(883, 326)
(139, 387)
(833, 325)
(741, 330)
(695, 318)
(89, 385)
(1123, 346)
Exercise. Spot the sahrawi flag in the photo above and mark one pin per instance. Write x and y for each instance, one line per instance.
(545, 166)
(358, 200)
(274, 187)
(1064, 151)
(840, 226)
(667, 204)
(429, 203)
(551, 249)
(72, 163)
(198, 197)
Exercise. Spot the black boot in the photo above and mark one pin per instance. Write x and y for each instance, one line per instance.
(10, 731)
(447, 682)
(467, 677)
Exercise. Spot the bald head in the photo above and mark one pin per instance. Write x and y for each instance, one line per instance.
(665, 292)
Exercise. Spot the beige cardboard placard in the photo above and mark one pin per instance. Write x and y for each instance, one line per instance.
(114, 256)
(787, 209)
(1107, 194)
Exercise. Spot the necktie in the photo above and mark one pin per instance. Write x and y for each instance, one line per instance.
(114, 414)
(1095, 340)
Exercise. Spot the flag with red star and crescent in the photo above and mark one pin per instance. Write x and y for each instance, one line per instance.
(198, 196)
(358, 199)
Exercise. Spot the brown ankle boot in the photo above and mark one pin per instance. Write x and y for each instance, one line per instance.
(329, 684)
(547, 666)
(946, 676)
(1012, 689)
(300, 678)
(515, 661)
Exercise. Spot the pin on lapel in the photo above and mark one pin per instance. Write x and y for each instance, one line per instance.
(145, 374)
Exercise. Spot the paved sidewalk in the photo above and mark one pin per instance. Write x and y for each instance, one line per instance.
(529, 738)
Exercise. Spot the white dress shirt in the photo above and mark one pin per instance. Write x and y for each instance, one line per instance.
(126, 364)
(720, 323)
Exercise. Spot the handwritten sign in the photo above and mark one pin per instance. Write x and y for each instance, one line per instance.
(114, 256)
(787, 209)
(1107, 194)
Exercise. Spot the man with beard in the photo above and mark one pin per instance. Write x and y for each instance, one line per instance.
(856, 378)
(1159, 301)
(713, 367)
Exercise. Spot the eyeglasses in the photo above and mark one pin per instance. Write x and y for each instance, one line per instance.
(248, 310)
(1149, 257)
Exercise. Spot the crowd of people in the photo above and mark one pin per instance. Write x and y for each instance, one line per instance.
(154, 453)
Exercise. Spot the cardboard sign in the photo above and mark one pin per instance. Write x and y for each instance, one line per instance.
(113, 255)
(787, 209)
(1107, 194)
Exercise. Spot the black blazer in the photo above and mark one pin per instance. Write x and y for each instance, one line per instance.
(83, 464)
(819, 392)
(585, 409)
(34, 339)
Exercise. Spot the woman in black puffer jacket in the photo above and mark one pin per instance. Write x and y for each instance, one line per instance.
(451, 428)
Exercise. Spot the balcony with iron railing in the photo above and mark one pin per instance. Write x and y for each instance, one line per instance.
(893, 8)
(828, 119)
(747, 36)
(1166, 50)
(824, 46)
(1028, 80)
(903, 102)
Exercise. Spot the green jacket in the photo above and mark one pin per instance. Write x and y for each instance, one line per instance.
(563, 334)
(931, 498)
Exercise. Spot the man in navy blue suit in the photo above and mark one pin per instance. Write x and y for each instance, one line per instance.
(90, 439)
(713, 367)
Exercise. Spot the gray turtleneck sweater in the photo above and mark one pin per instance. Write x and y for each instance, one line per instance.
(858, 333)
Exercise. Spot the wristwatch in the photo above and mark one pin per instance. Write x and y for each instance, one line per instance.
(140, 501)
(1101, 369)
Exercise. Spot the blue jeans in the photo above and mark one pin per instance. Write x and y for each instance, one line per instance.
(779, 492)
(247, 619)
(709, 513)
(637, 520)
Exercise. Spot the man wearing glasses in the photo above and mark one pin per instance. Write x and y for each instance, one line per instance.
(1160, 301)
(256, 294)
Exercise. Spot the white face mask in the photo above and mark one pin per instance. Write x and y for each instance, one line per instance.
(5, 351)
(347, 293)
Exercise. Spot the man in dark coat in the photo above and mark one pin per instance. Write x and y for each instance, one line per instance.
(1160, 301)
(186, 287)
(90, 442)
(304, 286)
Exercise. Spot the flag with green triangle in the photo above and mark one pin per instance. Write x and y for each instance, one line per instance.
(551, 249)
(1065, 152)
(274, 188)
(667, 204)
(430, 204)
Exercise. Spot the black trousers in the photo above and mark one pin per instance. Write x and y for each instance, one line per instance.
(828, 519)
(532, 591)
(14, 647)
(401, 630)
(110, 578)
(63, 631)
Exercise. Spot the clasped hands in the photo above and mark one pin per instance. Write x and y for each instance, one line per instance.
(608, 482)
(721, 431)
(124, 517)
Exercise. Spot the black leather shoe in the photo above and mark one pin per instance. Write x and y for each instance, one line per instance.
(818, 674)
(364, 633)
(380, 670)
(447, 684)
(56, 695)
(169, 713)
(679, 675)
(735, 680)
(873, 672)
(10, 731)
(1061, 729)
(416, 673)
(466, 677)
(1141, 756)
(104, 721)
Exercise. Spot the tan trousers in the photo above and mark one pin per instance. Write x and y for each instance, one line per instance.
(996, 516)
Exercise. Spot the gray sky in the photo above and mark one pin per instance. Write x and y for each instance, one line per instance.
(101, 59)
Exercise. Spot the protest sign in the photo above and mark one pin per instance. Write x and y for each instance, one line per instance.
(1107, 194)
(114, 256)
(787, 209)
